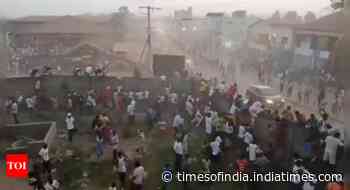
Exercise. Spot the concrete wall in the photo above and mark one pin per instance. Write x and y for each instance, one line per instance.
(42, 132)
(53, 85)
(271, 30)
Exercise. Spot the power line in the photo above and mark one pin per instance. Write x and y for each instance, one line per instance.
(148, 43)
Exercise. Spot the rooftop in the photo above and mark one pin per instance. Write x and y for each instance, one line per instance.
(260, 86)
(336, 22)
(215, 14)
(59, 24)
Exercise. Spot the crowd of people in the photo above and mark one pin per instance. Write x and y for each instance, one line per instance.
(197, 111)
(325, 97)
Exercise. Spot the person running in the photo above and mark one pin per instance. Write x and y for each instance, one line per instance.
(115, 143)
(216, 150)
(138, 176)
(70, 126)
(178, 122)
(14, 111)
(131, 112)
(99, 147)
(179, 154)
(208, 124)
(44, 154)
(332, 143)
(121, 170)
(248, 138)
(253, 150)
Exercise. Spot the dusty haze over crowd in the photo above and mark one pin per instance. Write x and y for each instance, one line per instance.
(18, 8)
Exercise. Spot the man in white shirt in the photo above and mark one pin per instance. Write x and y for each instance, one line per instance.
(147, 94)
(254, 110)
(115, 143)
(332, 145)
(163, 78)
(179, 153)
(48, 186)
(20, 99)
(44, 154)
(121, 169)
(89, 70)
(178, 122)
(138, 176)
(131, 112)
(131, 95)
(197, 119)
(309, 186)
(222, 87)
(189, 107)
(70, 126)
(37, 85)
(91, 102)
(241, 132)
(14, 111)
(233, 109)
(248, 138)
(55, 184)
(30, 103)
(252, 150)
(185, 143)
(215, 149)
(140, 95)
(173, 98)
(215, 119)
(208, 124)
(211, 91)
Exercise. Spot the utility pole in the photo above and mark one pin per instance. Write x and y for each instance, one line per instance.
(148, 43)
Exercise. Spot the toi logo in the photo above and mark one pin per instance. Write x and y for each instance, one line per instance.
(17, 165)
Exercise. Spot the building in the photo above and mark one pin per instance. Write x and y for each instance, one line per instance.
(267, 34)
(235, 29)
(45, 40)
(183, 14)
(316, 41)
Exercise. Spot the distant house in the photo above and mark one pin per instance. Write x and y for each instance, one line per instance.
(267, 34)
(215, 21)
(315, 42)
(227, 33)
(40, 40)
(183, 14)
(56, 25)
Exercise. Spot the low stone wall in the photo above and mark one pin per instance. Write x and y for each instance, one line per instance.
(54, 85)
(36, 133)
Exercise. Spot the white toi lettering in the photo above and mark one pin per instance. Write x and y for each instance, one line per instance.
(17, 165)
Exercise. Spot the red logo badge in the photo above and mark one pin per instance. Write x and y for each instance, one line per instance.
(17, 165)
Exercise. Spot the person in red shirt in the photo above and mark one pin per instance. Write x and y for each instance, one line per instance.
(335, 186)
(242, 164)
(231, 92)
(242, 167)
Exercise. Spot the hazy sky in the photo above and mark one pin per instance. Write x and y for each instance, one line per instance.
(16, 8)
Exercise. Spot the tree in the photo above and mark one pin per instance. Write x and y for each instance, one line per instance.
(309, 17)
